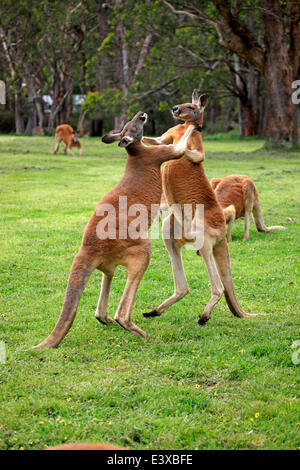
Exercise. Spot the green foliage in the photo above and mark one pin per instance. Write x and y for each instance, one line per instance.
(100, 104)
(228, 385)
(107, 43)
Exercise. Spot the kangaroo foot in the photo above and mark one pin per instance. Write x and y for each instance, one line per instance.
(105, 320)
(153, 313)
(131, 327)
(248, 315)
(203, 319)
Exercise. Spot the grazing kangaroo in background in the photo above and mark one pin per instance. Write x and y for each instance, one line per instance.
(238, 196)
(66, 134)
(185, 182)
(142, 186)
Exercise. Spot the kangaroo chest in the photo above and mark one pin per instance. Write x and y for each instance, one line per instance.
(186, 183)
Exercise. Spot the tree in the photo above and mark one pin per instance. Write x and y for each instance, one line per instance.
(274, 54)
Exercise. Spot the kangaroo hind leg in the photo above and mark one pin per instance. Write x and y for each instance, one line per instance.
(101, 311)
(229, 214)
(249, 202)
(57, 142)
(174, 248)
(136, 269)
(217, 288)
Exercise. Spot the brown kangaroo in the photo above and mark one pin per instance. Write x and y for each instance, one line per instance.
(66, 134)
(185, 182)
(238, 196)
(142, 186)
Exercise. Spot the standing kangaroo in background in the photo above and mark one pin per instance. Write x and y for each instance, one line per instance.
(141, 185)
(238, 196)
(184, 182)
(66, 134)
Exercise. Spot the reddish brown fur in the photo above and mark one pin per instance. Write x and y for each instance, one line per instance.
(239, 193)
(233, 190)
(142, 184)
(186, 183)
(65, 133)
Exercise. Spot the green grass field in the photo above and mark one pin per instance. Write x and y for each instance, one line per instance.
(231, 384)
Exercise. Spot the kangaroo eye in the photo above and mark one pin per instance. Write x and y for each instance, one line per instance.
(190, 107)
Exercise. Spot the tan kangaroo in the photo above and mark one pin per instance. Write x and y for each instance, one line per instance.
(238, 196)
(66, 134)
(142, 186)
(184, 182)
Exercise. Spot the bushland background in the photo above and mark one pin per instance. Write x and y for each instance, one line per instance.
(93, 64)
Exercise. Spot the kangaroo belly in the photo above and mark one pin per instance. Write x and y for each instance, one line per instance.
(232, 194)
(186, 183)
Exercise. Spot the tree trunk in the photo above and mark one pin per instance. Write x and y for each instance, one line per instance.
(19, 112)
(103, 17)
(248, 119)
(228, 114)
(80, 123)
(119, 121)
(278, 63)
(31, 122)
(278, 77)
(282, 118)
(7, 100)
(40, 112)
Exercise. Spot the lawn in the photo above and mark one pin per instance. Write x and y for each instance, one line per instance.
(231, 384)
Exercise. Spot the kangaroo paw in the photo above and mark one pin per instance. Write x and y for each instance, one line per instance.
(132, 327)
(106, 320)
(203, 319)
(153, 313)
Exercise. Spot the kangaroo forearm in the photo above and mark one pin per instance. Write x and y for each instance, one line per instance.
(195, 156)
(151, 141)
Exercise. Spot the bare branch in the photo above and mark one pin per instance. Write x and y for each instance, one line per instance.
(153, 90)
(143, 54)
(233, 35)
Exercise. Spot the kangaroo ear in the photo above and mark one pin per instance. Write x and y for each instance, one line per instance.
(203, 100)
(195, 96)
(111, 137)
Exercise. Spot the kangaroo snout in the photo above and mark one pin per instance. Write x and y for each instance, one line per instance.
(144, 117)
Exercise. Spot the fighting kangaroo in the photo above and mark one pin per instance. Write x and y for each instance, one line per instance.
(184, 182)
(238, 196)
(101, 249)
(66, 133)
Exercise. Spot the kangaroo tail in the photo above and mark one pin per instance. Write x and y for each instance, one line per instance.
(78, 278)
(259, 220)
(221, 256)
